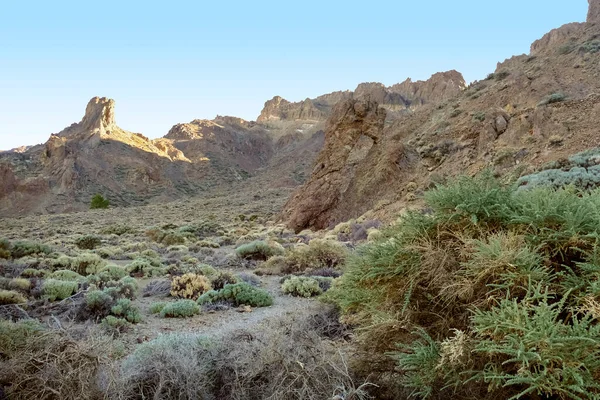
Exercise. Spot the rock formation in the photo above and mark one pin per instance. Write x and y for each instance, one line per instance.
(593, 12)
(311, 205)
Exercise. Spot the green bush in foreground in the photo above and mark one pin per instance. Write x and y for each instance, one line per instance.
(238, 294)
(180, 309)
(156, 308)
(495, 292)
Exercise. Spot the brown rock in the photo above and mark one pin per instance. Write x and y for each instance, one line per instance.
(313, 203)
(593, 11)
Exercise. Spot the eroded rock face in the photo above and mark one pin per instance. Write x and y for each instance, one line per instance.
(439, 87)
(99, 114)
(280, 109)
(8, 182)
(593, 11)
(311, 206)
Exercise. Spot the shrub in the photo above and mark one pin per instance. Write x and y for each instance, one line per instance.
(189, 286)
(156, 308)
(22, 249)
(34, 273)
(88, 242)
(259, 250)
(99, 202)
(479, 116)
(238, 294)
(553, 98)
(99, 302)
(301, 286)
(112, 273)
(11, 297)
(59, 290)
(4, 248)
(145, 268)
(124, 309)
(173, 366)
(180, 309)
(125, 287)
(317, 255)
(67, 275)
(19, 284)
(115, 325)
(118, 230)
(494, 289)
(223, 279)
(87, 263)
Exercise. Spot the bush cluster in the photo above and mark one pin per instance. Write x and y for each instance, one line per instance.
(238, 294)
(179, 309)
(259, 250)
(301, 286)
(494, 292)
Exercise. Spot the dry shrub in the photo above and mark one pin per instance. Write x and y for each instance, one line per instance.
(48, 364)
(190, 286)
(283, 359)
(318, 254)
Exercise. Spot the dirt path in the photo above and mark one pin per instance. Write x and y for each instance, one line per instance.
(221, 323)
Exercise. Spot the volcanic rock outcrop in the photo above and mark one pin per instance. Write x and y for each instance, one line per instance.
(311, 205)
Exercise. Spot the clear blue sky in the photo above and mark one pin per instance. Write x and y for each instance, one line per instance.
(174, 61)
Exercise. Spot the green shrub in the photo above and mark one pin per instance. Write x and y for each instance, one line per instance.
(59, 290)
(301, 286)
(15, 336)
(98, 302)
(238, 294)
(34, 273)
(22, 249)
(156, 308)
(4, 248)
(67, 275)
(494, 289)
(553, 98)
(126, 287)
(118, 230)
(88, 242)
(99, 202)
(479, 116)
(84, 264)
(145, 268)
(180, 309)
(259, 250)
(124, 309)
(112, 273)
(115, 325)
(11, 297)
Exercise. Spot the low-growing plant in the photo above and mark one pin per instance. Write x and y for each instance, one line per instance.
(112, 273)
(99, 302)
(115, 325)
(238, 294)
(88, 242)
(156, 308)
(223, 279)
(180, 309)
(553, 98)
(56, 289)
(34, 273)
(317, 255)
(23, 248)
(301, 286)
(11, 297)
(259, 250)
(19, 284)
(145, 268)
(125, 309)
(159, 287)
(189, 286)
(118, 230)
(67, 275)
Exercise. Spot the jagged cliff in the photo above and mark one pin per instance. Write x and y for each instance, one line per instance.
(398, 98)
(533, 109)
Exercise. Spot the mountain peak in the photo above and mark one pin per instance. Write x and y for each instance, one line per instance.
(99, 114)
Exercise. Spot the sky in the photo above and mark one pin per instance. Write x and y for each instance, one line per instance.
(174, 61)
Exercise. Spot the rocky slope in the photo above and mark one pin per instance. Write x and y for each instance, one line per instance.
(533, 109)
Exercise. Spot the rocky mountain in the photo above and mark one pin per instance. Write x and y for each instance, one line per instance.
(372, 150)
(399, 98)
(533, 109)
